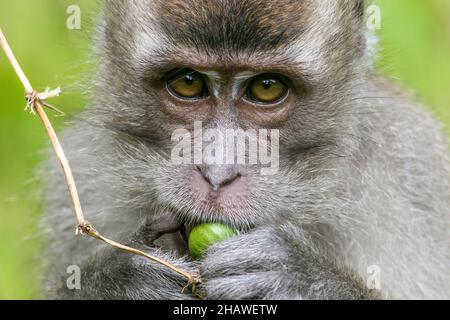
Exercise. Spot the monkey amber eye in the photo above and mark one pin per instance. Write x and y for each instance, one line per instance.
(187, 84)
(267, 89)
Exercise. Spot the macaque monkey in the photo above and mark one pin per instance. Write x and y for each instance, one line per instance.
(358, 208)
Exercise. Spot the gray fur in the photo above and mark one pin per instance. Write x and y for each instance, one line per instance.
(364, 176)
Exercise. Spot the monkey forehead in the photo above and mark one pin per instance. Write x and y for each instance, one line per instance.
(227, 32)
(232, 25)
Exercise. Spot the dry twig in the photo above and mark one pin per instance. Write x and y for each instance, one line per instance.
(36, 103)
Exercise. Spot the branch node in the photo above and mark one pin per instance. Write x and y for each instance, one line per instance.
(84, 228)
(193, 281)
(33, 98)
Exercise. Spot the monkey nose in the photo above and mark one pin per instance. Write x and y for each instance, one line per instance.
(219, 176)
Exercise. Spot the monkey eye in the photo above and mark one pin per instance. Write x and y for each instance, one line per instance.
(187, 84)
(266, 89)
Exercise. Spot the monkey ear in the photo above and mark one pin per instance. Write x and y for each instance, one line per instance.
(358, 7)
(367, 42)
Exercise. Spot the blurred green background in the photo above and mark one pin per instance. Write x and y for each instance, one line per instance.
(414, 48)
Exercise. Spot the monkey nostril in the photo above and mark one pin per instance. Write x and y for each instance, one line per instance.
(218, 177)
(207, 179)
(230, 180)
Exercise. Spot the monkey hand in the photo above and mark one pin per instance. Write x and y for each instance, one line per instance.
(248, 266)
(274, 263)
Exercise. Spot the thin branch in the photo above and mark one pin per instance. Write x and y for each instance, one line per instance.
(12, 59)
(36, 101)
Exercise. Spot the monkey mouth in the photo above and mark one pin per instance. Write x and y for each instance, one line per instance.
(185, 232)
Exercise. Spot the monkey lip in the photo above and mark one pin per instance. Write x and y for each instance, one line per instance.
(186, 231)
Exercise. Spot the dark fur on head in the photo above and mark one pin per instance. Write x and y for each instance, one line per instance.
(233, 26)
(364, 172)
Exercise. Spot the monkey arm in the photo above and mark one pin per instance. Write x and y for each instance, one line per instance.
(276, 263)
(115, 274)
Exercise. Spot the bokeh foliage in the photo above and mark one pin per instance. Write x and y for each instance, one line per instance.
(415, 48)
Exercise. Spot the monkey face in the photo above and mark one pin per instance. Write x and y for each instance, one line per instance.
(175, 71)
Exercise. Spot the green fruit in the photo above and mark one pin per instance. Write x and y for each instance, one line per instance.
(206, 234)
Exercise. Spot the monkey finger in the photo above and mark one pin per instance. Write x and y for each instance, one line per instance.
(158, 225)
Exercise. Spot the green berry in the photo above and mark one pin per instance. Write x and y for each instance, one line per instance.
(204, 235)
